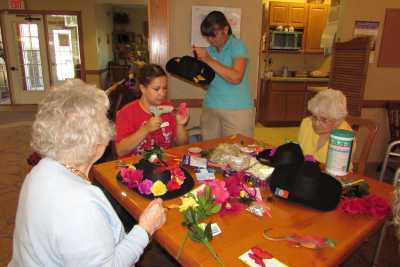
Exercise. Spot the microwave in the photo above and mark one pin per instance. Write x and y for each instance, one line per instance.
(281, 40)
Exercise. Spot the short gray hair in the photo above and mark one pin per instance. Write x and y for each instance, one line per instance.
(330, 103)
(71, 121)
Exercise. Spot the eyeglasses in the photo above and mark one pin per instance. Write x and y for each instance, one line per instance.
(320, 119)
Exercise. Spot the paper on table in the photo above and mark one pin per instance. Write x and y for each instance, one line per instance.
(268, 262)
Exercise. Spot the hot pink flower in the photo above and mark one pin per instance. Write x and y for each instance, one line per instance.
(144, 187)
(234, 183)
(231, 207)
(131, 177)
(218, 190)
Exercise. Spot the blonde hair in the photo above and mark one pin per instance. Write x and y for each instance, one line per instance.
(329, 103)
(71, 121)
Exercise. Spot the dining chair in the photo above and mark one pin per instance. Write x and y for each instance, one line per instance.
(359, 126)
(119, 95)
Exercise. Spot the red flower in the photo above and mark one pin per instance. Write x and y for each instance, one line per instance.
(378, 207)
(178, 175)
(371, 205)
(258, 255)
(173, 185)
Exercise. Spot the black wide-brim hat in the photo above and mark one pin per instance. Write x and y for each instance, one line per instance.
(289, 154)
(191, 69)
(306, 185)
(164, 176)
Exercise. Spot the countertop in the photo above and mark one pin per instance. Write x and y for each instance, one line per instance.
(298, 79)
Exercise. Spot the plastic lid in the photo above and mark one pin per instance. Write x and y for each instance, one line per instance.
(342, 133)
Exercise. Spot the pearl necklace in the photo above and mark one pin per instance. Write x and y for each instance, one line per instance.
(77, 172)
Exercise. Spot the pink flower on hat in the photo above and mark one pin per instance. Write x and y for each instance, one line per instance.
(131, 177)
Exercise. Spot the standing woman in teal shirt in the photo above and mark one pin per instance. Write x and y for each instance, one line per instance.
(228, 107)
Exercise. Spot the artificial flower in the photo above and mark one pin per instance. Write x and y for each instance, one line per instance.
(219, 190)
(372, 205)
(258, 255)
(144, 187)
(188, 202)
(231, 207)
(173, 184)
(309, 158)
(178, 175)
(234, 183)
(131, 177)
(158, 188)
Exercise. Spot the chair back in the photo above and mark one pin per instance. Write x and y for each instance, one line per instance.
(393, 112)
(119, 95)
(365, 131)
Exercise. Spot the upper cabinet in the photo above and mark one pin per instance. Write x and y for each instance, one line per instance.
(317, 15)
(278, 13)
(287, 14)
(308, 20)
(297, 14)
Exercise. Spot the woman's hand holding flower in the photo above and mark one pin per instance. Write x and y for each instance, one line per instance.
(153, 217)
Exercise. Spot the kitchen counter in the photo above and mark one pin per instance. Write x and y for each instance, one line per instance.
(298, 79)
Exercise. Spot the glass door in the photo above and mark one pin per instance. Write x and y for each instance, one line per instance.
(27, 57)
(4, 88)
(64, 50)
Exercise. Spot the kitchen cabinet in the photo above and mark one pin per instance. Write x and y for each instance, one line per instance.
(317, 16)
(287, 14)
(297, 15)
(278, 13)
(284, 102)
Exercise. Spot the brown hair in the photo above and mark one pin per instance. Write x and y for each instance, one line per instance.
(148, 73)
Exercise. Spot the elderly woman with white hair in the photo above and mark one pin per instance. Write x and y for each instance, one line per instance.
(328, 111)
(62, 219)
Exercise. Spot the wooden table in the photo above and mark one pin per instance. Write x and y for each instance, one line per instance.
(242, 231)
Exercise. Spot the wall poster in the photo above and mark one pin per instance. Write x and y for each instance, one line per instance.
(200, 12)
(370, 29)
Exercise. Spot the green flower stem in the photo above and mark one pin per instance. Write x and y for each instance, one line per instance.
(212, 251)
(178, 255)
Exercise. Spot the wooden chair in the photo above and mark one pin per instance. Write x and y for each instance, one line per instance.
(393, 112)
(119, 95)
(363, 149)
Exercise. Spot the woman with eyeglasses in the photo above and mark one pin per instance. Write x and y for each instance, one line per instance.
(228, 106)
(328, 111)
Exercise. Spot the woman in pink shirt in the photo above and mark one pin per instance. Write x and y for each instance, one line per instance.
(137, 129)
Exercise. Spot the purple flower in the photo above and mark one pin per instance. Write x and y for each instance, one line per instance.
(309, 158)
(272, 152)
(144, 187)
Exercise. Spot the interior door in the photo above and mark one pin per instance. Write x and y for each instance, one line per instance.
(27, 57)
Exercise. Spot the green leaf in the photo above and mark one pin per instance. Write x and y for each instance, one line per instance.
(216, 208)
(207, 193)
(208, 232)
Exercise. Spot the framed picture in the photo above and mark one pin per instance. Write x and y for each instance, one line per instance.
(200, 12)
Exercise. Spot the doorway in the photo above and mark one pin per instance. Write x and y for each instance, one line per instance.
(41, 50)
